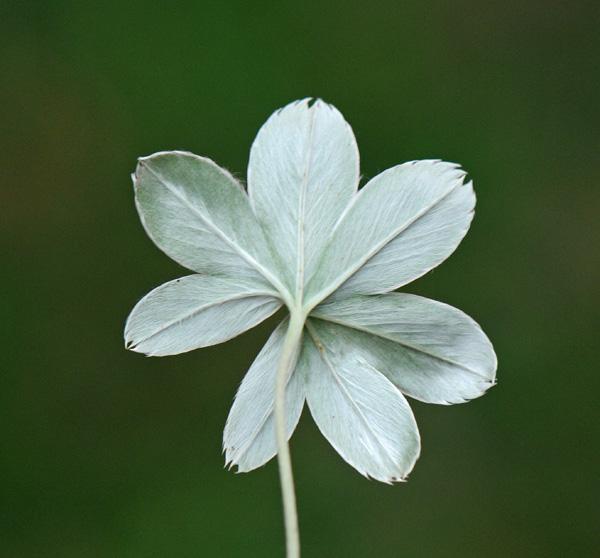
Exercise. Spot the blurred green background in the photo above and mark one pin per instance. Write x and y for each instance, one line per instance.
(106, 453)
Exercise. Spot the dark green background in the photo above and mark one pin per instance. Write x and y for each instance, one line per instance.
(106, 453)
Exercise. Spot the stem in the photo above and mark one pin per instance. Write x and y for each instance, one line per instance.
(290, 514)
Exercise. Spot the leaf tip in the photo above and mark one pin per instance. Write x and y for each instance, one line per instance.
(399, 478)
(129, 342)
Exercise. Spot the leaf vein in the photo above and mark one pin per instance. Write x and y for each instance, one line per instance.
(405, 344)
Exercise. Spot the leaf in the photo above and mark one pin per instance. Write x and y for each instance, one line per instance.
(196, 311)
(200, 216)
(429, 350)
(362, 415)
(302, 174)
(249, 437)
(403, 223)
(304, 236)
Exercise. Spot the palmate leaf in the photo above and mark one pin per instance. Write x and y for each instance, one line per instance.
(306, 237)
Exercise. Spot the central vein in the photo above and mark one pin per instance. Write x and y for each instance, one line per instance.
(302, 215)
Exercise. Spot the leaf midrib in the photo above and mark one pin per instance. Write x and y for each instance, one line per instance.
(301, 228)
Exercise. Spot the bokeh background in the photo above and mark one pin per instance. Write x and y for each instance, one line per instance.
(106, 453)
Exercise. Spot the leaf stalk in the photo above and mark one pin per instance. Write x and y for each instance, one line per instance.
(286, 360)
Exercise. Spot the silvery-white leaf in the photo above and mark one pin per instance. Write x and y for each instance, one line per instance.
(302, 174)
(429, 350)
(403, 223)
(200, 216)
(197, 311)
(304, 235)
(362, 414)
(249, 439)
